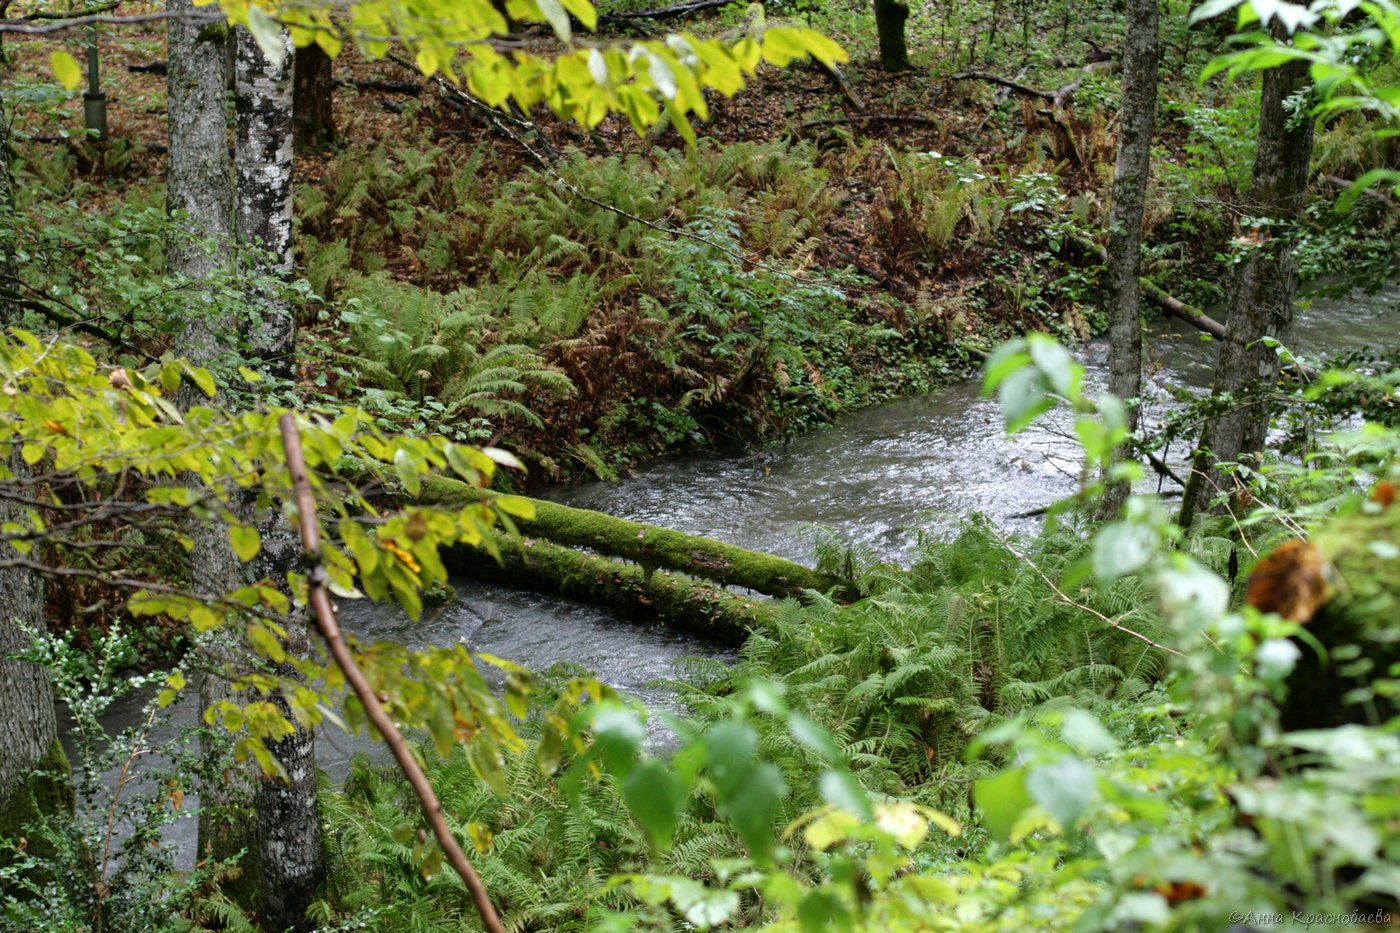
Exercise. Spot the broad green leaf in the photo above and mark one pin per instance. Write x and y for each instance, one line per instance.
(702, 906)
(246, 541)
(1001, 799)
(1065, 788)
(655, 797)
(618, 735)
(1023, 398)
(1123, 547)
(268, 33)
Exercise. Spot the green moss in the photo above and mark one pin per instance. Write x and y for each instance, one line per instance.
(649, 545)
(46, 793)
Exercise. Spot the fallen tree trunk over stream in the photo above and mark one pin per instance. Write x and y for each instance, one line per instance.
(626, 589)
(650, 546)
(1176, 308)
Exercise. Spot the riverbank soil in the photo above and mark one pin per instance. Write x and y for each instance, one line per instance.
(589, 297)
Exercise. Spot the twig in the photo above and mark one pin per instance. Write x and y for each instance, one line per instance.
(194, 16)
(672, 11)
(326, 622)
(1060, 595)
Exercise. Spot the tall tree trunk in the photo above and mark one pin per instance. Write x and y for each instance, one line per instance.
(9, 284)
(263, 180)
(289, 828)
(28, 726)
(889, 24)
(199, 197)
(312, 110)
(1136, 119)
(1264, 286)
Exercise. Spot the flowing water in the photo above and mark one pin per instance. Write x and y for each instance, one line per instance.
(878, 478)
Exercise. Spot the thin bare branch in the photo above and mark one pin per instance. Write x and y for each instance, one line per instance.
(320, 600)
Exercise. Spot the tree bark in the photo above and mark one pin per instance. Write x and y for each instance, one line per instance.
(312, 89)
(1263, 288)
(263, 182)
(1136, 119)
(28, 726)
(889, 24)
(289, 833)
(199, 197)
(9, 283)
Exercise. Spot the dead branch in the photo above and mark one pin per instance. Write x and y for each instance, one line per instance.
(1056, 98)
(673, 11)
(1342, 183)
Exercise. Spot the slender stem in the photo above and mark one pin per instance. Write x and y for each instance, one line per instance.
(1060, 595)
(329, 628)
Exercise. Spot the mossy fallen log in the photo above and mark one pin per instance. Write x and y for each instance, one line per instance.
(651, 546)
(626, 589)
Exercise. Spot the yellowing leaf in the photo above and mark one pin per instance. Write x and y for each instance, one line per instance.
(66, 70)
(245, 540)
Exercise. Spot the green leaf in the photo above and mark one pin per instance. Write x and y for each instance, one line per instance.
(753, 810)
(1023, 398)
(66, 70)
(1085, 735)
(1065, 788)
(268, 33)
(840, 789)
(618, 736)
(1123, 547)
(655, 797)
(822, 911)
(1001, 799)
(246, 541)
(702, 906)
(730, 748)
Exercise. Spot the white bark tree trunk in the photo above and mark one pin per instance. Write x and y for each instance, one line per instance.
(199, 197)
(289, 828)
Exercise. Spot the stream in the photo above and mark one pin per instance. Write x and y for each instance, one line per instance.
(879, 478)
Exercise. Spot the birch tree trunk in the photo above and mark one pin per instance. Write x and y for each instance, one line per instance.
(288, 825)
(1264, 286)
(199, 197)
(263, 181)
(1130, 172)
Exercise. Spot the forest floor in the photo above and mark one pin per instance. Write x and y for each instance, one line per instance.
(877, 239)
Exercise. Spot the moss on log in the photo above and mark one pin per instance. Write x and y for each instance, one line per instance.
(627, 589)
(651, 546)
